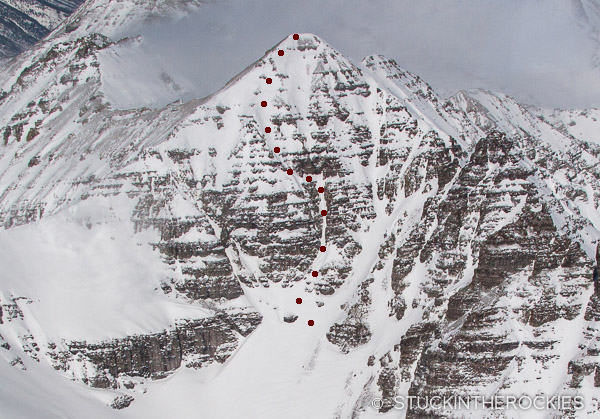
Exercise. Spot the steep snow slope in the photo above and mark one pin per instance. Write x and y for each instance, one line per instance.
(170, 245)
(131, 79)
(578, 123)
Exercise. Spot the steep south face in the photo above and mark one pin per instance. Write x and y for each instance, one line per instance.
(468, 244)
(323, 113)
(457, 237)
(205, 180)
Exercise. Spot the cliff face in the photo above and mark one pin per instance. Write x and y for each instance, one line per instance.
(458, 243)
(196, 342)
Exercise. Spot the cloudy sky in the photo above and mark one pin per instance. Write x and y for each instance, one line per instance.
(539, 51)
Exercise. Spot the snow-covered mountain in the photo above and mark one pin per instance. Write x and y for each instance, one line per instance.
(152, 258)
(24, 22)
(119, 18)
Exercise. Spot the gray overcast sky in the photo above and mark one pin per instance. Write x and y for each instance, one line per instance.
(539, 51)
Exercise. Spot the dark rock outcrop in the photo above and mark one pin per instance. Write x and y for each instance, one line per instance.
(195, 342)
(122, 402)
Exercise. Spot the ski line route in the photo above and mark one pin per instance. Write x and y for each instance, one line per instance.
(290, 172)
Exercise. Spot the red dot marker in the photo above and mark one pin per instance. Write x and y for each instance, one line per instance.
(298, 300)
(290, 172)
(315, 274)
(324, 213)
(309, 178)
(280, 52)
(268, 130)
(322, 248)
(276, 149)
(263, 103)
(296, 36)
(311, 322)
(321, 189)
(269, 80)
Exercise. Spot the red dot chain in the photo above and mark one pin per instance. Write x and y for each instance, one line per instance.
(290, 172)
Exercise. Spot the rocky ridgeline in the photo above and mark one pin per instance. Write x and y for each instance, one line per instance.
(194, 342)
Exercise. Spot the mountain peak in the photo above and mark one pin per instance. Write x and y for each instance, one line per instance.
(301, 41)
(303, 61)
(310, 44)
